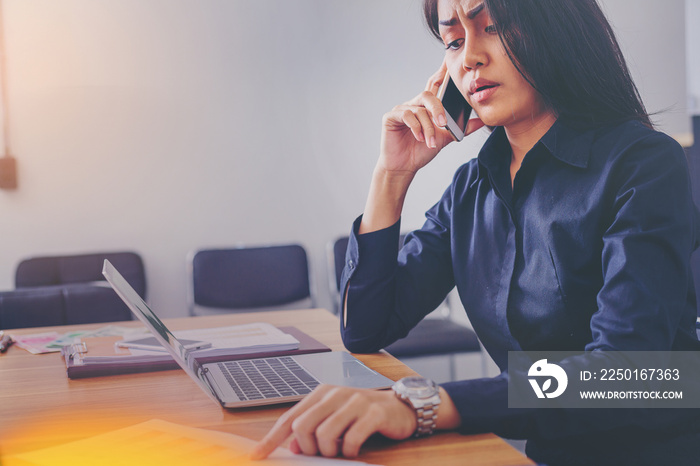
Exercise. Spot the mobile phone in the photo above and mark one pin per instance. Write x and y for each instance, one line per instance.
(457, 109)
(150, 343)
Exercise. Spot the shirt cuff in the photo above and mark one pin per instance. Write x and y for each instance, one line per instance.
(483, 407)
(372, 255)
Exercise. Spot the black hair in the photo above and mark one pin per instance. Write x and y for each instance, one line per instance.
(567, 51)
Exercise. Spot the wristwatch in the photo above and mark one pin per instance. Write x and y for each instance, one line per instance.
(423, 396)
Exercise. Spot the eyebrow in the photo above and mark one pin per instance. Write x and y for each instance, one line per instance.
(448, 22)
(471, 14)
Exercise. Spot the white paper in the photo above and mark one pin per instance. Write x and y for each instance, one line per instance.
(157, 442)
(248, 338)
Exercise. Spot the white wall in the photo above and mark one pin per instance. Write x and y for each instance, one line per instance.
(652, 37)
(161, 126)
(692, 32)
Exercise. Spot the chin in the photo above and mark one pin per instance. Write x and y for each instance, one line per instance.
(489, 120)
(493, 117)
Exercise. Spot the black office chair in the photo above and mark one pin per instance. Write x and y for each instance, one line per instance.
(249, 279)
(438, 336)
(80, 269)
(70, 289)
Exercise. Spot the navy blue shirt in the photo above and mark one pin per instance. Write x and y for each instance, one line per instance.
(588, 249)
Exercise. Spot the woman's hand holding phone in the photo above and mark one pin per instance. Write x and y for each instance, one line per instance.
(412, 135)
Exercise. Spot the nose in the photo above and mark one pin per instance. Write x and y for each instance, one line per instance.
(470, 65)
(474, 55)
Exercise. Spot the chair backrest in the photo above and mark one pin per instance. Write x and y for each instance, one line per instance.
(81, 268)
(32, 308)
(250, 278)
(60, 305)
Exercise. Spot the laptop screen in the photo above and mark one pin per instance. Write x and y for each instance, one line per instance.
(166, 338)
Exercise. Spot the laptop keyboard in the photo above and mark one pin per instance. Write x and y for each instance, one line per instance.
(259, 379)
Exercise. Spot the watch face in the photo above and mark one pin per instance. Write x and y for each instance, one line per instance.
(419, 387)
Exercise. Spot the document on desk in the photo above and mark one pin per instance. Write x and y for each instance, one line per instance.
(257, 337)
(157, 442)
(101, 356)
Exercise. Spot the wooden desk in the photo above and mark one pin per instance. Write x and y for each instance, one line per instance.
(41, 407)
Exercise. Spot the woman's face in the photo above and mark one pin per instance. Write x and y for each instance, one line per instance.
(482, 70)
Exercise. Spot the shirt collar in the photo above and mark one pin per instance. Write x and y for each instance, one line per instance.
(564, 142)
(569, 145)
(495, 153)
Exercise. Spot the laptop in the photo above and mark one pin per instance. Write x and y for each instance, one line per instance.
(251, 382)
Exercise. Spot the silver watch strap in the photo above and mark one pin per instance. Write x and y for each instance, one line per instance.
(426, 417)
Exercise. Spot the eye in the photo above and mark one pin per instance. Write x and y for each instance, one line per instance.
(491, 29)
(454, 45)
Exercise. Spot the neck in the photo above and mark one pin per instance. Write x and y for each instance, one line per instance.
(524, 135)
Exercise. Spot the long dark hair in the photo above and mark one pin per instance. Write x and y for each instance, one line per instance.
(567, 51)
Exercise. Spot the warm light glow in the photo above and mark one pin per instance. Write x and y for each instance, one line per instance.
(149, 443)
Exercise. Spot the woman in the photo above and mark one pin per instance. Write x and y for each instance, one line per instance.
(572, 230)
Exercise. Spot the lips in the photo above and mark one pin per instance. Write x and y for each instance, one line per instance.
(481, 89)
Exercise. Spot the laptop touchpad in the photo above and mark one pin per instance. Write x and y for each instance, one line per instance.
(340, 368)
(353, 369)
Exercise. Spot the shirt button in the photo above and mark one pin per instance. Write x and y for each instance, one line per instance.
(351, 264)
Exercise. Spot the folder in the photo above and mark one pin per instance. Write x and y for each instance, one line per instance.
(99, 356)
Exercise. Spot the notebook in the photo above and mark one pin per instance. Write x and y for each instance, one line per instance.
(251, 382)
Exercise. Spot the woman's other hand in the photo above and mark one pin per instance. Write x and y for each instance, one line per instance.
(334, 421)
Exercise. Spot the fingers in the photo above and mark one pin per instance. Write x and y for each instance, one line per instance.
(294, 447)
(433, 105)
(279, 432)
(360, 431)
(424, 116)
(341, 429)
(335, 420)
(436, 79)
(310, 429)
(419, 122)
(428, 127)
(409, 118)
(283, 427)
(427, 114)
(329, 434)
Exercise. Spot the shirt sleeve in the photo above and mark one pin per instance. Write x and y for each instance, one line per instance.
(389, 291)
(646, 251)
(483, 407)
